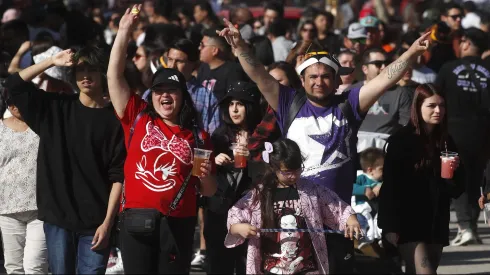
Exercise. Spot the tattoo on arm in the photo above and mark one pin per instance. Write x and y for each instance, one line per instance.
(425, 262)
(250, 59)
(396, 68)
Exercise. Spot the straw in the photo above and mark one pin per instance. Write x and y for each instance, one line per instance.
(484, 211)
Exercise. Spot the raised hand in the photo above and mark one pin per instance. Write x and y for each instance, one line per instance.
(129, 18)
(63, 59)
(231, 34)
(421, 45)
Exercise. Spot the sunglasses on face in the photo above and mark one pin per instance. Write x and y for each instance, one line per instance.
(456, 16)
(359, 40)
(138, 56)
(310, 54)
(378, 63)
(308, 30)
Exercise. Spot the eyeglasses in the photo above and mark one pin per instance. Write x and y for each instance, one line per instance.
(359, 40)
(378, 63)
(290, 174)
(138, 56)
(456, 16)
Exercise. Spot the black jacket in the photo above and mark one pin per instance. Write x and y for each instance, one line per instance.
(229, 190)
(414, 200)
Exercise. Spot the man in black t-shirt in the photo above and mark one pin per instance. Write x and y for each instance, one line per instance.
(468, 106)
(217, 72)
(80, 160)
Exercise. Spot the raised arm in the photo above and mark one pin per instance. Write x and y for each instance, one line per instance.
(268, 86)
(15, 63)
(118, 86)
(375, 88)
(61, 59)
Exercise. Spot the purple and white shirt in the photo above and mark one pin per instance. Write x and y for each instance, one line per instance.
(325, 139)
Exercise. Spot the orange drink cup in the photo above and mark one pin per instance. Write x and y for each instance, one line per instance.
(200, 155)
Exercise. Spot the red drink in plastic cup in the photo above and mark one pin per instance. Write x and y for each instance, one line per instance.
(240, 161)
(446, 158)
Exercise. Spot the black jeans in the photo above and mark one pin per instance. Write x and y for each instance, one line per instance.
(466, 206)
(143, 254)
(341, 257)
(222, 260)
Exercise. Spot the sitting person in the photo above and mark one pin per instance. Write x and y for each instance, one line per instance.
(366, 190)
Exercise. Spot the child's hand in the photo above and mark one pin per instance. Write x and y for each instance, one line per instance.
(245, 230)
(353, 228)
(376, 190)
(368, 192)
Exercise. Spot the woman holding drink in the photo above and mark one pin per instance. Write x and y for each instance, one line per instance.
(159, 208)
(421, 175)
(240, 111)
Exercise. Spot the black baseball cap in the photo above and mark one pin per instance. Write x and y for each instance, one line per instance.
(243, 91)
(169, 77)
(478, 37)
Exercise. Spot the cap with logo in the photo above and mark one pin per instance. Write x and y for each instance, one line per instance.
(167, 76)
(324, 58)
(356, 31)
(369, 22)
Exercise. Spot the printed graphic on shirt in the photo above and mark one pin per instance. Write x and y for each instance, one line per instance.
(209, 84)
(378, 109)
(289, 252)
(320, 140)
(464, 77)
(158, 176)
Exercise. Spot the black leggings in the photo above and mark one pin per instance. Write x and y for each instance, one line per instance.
(142, 254)
(222, 260)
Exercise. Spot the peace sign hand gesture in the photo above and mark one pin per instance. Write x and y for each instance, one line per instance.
(129, 18)
(232, 35)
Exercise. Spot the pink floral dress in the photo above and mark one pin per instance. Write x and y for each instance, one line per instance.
(321, 207)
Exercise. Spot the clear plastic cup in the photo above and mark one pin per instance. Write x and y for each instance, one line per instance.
(446, 158)
(200, 155)
(486, 208)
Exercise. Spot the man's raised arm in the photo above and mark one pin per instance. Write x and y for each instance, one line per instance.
(375, 88)
(268, 86)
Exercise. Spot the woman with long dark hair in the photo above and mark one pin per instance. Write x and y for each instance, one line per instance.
(241, 114)
(419, 229)
(159, 203)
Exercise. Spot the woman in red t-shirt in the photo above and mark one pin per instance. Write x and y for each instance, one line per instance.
(160, 137)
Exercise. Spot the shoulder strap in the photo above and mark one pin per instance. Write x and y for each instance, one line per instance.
(131, 130)
(199, 143)
(298, 102)
(347, 111)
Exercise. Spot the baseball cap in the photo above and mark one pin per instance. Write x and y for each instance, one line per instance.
(356, 31)
(369, 22)
(477, 37)
(325, 58)
(167, 76)
(243, 91)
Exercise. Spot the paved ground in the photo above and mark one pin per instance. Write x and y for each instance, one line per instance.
(471, 259)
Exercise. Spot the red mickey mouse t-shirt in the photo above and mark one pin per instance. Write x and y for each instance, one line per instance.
(159, 158)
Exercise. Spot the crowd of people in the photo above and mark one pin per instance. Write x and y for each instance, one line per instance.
(291, 145)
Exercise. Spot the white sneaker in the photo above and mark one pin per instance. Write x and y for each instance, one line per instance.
(198, 259)
(116, 266)
(464, 237)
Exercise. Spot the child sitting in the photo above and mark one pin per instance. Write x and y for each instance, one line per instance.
(366, 190)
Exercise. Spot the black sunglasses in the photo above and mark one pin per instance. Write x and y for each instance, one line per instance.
(456, 16)
(378, 63)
